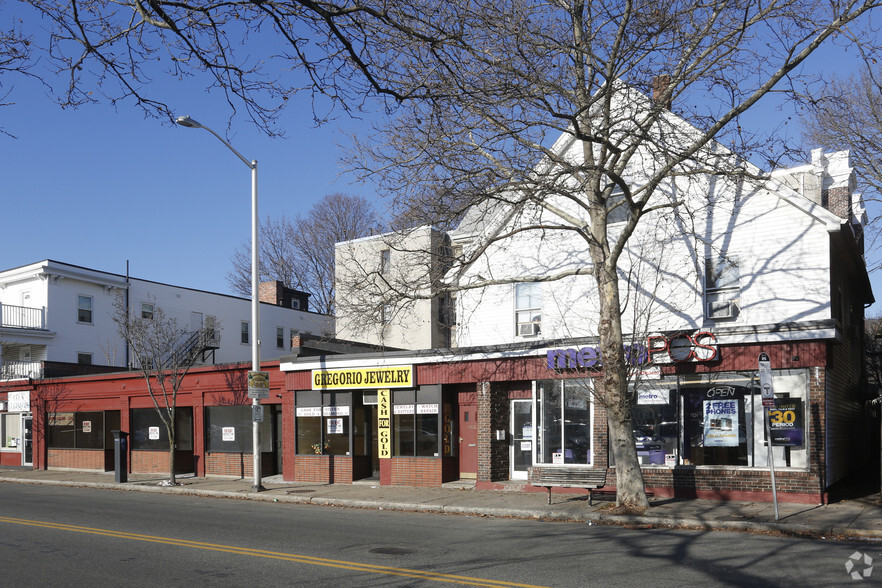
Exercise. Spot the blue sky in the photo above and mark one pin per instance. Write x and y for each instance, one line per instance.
(100, 186)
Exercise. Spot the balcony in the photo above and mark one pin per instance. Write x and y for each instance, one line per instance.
(20, 370)
(22, 317)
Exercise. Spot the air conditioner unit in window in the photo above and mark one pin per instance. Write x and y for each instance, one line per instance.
(528, 329)
(721, 309)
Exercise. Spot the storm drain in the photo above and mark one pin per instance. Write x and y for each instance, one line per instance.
(392, 550)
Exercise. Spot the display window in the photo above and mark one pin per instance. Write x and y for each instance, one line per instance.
(10, 431)
(656, 423)
(82, 430)
(323, 422)
(229, 429)
(563, 415)
(719, 420)
(416, 422)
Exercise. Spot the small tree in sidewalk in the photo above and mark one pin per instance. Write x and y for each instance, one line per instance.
(163, 353)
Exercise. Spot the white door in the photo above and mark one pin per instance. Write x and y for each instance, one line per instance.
(522, 438)
(195, 321)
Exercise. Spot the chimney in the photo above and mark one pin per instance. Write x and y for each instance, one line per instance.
(271, 292)
(660, 85)
(837, 179)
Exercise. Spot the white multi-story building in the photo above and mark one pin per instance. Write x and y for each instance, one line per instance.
(55, 317)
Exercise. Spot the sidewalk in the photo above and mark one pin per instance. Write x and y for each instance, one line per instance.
(856, 519)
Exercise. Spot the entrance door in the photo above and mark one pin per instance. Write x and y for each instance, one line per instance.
(468, 441)
(522, 437)
(277, 433)
(27, 450)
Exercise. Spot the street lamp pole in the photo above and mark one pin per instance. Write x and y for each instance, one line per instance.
(186, 121)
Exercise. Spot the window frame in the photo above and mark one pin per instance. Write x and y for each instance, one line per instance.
(721, 288)
(244, 332)
(80, 310)
(532, 311)
(147, 310)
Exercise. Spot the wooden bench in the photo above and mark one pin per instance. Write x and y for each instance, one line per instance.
(567, 477)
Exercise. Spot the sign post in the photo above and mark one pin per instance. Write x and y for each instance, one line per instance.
(768, 394)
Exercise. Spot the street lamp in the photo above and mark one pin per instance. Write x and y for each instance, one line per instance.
(186, 121)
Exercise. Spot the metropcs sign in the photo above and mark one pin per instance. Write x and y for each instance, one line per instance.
(658, 349)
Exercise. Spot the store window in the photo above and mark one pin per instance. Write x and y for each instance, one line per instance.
(323, 422)
(229, 429)
(149, 432)
(77, 430)
(718, 420)
(656, 422)
(10, 431)
(563, 415)
(416, 422)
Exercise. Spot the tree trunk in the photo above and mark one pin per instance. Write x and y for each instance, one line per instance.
(171, 455)
(630, 493)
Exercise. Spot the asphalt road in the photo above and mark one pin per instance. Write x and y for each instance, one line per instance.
(87, 537)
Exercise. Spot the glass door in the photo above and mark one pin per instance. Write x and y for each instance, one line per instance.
(27, 438)
(522, 438)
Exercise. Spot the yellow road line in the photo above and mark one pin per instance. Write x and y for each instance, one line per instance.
(305, 559)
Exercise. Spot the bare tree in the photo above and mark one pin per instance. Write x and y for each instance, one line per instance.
(477, 93)
(300, 251)
(540, 114)
(848, 115)
(163, 353)
(119, 48)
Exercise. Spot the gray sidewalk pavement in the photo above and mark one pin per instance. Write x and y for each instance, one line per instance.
(856, 519)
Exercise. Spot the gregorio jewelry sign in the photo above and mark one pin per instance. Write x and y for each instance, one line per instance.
(400, 376)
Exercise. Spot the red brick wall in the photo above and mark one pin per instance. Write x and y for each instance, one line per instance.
(731, 484)
(81, 459)
(328, 469)
(493, 415)
(416, 471)
(149, 462)
(240, 465)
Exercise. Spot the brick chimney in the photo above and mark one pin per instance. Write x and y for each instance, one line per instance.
(837, 178)
(271, 292)
(660, 85)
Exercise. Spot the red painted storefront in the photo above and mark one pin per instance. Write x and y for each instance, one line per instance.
(474, 399)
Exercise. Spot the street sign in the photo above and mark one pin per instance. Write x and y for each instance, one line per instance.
(765, 375)
(257, 413)
(258, 385)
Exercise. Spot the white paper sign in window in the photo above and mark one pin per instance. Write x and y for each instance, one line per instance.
(228, 433)
(153, 433)
(334, 411)
(335, 426)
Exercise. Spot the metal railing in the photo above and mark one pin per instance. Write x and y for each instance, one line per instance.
(20, 370)
(22, 317)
